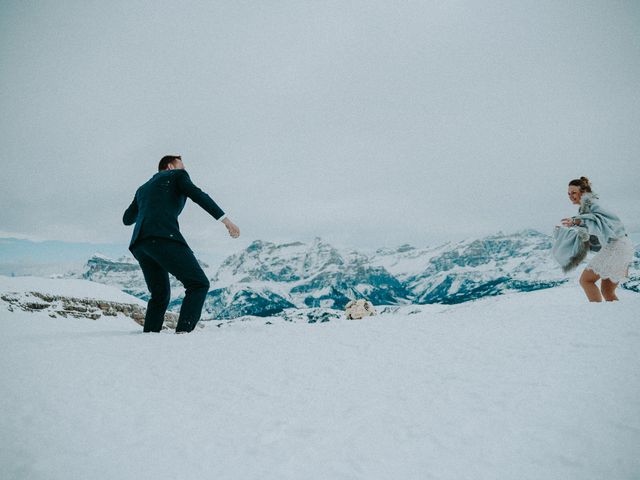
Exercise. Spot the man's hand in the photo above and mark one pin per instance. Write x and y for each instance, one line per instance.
(234, 231)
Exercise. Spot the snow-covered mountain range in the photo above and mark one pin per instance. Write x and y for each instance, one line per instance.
(125, 274)
(267, 278)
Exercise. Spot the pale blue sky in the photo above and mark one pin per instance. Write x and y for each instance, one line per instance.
(366, 123)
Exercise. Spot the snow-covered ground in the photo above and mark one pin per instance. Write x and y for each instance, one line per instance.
(538, 385)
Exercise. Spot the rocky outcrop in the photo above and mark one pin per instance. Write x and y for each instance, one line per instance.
(63, 306)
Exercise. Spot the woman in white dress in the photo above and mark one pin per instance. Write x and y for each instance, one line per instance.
(611, 264)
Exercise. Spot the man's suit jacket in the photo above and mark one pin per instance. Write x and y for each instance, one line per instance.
(157, 204)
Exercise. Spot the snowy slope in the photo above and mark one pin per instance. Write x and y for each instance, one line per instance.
(66, 287)
(538, 385)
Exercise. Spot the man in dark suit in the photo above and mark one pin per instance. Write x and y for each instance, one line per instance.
(161, 249)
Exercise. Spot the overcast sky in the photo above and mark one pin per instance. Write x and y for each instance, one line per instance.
(366, 123)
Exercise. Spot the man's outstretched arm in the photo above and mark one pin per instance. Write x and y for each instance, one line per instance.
(131, 213)
(205, 201)
(201, 198)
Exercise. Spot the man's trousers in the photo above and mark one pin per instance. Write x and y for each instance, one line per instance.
(158, 257)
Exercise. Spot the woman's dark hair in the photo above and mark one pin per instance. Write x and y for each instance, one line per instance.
(583, 183)
(166, 160)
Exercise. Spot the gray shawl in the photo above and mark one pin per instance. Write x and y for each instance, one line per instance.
(599, 221)
(571, 245)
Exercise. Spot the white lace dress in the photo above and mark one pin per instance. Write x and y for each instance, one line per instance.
(612, 261)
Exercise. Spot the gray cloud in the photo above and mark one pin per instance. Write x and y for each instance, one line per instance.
(367, 123)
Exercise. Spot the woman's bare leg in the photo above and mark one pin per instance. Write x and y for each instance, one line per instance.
(588, 281)
(608, 289)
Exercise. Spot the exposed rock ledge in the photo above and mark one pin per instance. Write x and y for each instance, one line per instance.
(63, 306)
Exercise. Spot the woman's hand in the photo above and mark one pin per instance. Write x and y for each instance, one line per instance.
(570, 222)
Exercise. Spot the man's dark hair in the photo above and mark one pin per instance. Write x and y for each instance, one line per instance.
(166, 160)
